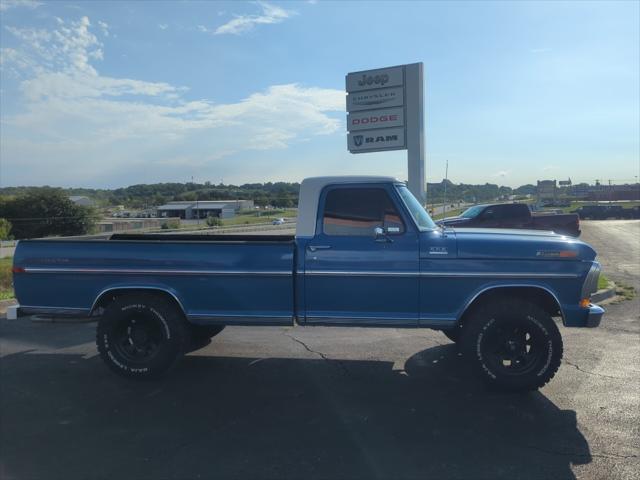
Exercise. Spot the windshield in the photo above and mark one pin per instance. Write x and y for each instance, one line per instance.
(419, 214)
(472, 212)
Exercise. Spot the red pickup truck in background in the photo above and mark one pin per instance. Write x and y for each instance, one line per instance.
(514, 215)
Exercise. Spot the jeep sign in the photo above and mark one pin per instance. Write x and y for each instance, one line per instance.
(385, 112)
(384, 77)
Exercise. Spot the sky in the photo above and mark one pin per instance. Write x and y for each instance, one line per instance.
(109, 94)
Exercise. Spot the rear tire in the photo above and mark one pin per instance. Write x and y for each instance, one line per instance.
(141, 336)
(514, 345)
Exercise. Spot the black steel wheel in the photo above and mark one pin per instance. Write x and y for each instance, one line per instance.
(141, 336)
(514, 344)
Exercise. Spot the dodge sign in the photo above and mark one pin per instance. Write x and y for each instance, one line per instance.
(388, 117)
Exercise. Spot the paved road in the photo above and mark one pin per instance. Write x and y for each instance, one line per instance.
(325, 403)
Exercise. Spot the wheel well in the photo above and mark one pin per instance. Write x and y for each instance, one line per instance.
(536, 295)
(105, 298)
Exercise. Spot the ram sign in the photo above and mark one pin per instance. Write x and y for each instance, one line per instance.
(385, 112)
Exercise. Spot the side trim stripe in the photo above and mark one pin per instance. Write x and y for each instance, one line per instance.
(145, 271)
(341, 273)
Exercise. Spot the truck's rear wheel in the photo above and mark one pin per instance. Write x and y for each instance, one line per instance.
(515, 345)
(141, 336)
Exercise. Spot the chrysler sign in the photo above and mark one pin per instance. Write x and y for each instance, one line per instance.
(384, 97)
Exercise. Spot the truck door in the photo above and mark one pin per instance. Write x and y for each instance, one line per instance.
(489, 218)
(362, 266)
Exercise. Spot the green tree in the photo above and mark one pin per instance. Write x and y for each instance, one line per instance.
(213, 221)
(5, 229)
(46, 212)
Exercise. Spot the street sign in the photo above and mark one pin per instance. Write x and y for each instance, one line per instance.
(385, 118)
(376, 140)
(385, 111)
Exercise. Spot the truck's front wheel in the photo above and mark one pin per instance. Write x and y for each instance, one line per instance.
(515, 345)
(141, 336)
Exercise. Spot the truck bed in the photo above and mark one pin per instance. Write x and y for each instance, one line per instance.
(214, 278)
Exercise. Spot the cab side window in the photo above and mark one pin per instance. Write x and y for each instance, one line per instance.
(357, 211)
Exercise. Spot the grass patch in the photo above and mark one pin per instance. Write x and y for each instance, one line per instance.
(627, 292)
(603, 282)
(450, 213)
(6, 278)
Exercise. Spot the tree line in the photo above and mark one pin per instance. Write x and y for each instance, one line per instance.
(278, 194)
(28, 212)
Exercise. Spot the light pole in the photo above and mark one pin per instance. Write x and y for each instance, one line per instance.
(444, 197)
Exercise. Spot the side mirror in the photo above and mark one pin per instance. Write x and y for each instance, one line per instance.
(380, 235)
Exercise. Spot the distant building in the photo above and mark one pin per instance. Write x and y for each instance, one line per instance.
(546, 190)
(605, 192)
(82, 200)
(189, 210)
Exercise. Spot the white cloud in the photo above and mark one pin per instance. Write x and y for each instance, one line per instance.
(7, 4)
(502, 173)
(77, 124)
(540, 50)
(243, 23)
(104, 26)
(163, 26)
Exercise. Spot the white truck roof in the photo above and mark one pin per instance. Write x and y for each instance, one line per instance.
(310, 189)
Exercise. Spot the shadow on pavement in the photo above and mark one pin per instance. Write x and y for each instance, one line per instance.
(64, 416)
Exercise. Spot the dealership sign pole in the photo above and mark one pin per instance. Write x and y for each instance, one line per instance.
(385, 111)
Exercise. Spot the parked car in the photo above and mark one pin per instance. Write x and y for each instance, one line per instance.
(278, 221)
(604, 211)
(514, 215)
(365, 253)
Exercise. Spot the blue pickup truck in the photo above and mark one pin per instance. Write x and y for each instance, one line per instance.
(365, 254)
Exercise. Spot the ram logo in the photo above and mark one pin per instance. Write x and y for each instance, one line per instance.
(357, 140)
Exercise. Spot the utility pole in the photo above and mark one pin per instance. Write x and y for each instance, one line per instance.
(197, 205)
(610, 191)
(444, 197)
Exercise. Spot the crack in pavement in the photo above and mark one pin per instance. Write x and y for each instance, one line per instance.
(591, 373)
(343, 368)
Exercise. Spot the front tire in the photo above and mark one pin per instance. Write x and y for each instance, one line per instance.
(514, 345)
(141, 336)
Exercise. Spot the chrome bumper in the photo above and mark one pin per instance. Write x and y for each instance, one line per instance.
(594, 316)
(13, 312)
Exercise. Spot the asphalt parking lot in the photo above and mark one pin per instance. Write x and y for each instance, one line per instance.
(309, 403)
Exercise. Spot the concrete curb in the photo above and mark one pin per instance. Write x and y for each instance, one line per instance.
(604, 294)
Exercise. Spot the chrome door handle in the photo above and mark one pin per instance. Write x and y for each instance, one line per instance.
(313, 248)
